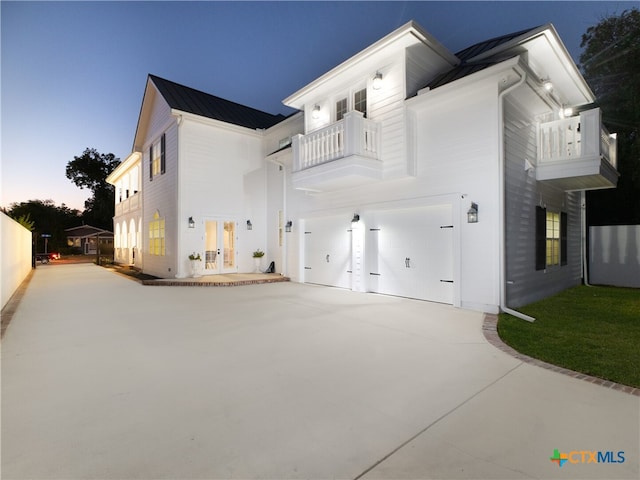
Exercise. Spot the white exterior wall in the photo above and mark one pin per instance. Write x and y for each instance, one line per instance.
(160, 194)
(454, 143)
(221, 177)
(127, 221)
(457, 148)
(525, 284)
(15, 256)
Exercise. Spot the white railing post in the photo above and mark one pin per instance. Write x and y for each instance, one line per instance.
(298, 152)
(353, 133)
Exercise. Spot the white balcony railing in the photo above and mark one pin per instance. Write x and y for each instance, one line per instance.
(576, 138)
(132, 203)
(353, 135)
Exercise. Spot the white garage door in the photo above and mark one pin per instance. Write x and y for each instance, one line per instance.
(414, 253)
(328, 251)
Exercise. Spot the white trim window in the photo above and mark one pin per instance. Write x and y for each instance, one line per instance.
(156, 235)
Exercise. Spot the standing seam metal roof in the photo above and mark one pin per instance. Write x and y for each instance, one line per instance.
(190, 100)
(467, 67)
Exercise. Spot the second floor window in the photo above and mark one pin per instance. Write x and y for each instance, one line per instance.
(157, 157)
(341, 109)
(360, 101)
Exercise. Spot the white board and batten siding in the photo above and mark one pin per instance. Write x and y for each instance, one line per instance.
(525, 284)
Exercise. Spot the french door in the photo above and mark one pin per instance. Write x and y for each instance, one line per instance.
(220, 247)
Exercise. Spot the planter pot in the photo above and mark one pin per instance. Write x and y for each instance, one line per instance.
(256, 262)
(195, 268)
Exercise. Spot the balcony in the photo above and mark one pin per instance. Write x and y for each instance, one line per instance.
(341, 155)
(577, 153)
(134, 202)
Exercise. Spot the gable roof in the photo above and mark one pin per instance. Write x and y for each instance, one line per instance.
(467, 64)
(546, 54)
(487, 45)
(83, 231)
(194, 101)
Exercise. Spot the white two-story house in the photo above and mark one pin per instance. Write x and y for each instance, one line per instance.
(407, 170)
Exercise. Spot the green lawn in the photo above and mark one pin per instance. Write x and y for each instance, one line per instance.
(593, 330)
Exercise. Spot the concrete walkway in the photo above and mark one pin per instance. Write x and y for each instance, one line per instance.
(105, 378)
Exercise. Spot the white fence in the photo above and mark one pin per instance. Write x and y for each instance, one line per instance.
(614, 255)
(15, 256)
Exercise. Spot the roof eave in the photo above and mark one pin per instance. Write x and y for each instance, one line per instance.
(409, 28)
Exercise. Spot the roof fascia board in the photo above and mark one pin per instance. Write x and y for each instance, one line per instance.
(474, 78)
(123, 167)
(217, 123)
(409, 28)
(142, 109)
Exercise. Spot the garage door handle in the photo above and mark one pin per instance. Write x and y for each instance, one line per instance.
(327, 258)
(407, 262)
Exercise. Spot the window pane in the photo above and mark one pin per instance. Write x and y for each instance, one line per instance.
(360, 101)
(341, 109)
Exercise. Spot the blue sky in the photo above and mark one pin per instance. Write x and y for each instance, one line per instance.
(73, 73)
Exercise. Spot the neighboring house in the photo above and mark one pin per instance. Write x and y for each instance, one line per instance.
(407, 170)
(85, 237)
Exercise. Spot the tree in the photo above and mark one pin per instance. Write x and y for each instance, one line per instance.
(610, 63)
(90, 170)
(46, 218)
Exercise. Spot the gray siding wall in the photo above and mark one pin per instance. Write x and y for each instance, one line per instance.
(523, 194)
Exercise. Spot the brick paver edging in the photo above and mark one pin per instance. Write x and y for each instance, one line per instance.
(490, 331)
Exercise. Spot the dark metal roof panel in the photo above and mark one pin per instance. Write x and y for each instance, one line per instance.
(468, 67)
(190, 100)
(481, 47)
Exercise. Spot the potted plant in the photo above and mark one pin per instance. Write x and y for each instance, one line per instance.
(195, 260)
(257, 258)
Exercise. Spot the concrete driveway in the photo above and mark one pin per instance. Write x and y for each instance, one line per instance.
(105, 378)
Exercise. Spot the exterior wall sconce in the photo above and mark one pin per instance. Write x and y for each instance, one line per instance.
(567, 112)
(356, 218)
(249, 225)
(377, 81)
(547, 85)
(288, 225)
(192, 223)
(472, 213)
(315, 113)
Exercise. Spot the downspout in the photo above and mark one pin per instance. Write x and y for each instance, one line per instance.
(502, 206)
(284, 214)
(583, 214)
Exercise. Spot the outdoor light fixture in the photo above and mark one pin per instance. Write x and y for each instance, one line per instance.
(288, 225)
(356, 218)
(249, 225)
(316, 111)
(567, 112)
(547, 85)
(192, 223)
(472, 213)
(377, 81)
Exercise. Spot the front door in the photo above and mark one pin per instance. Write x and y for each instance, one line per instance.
(220, 247)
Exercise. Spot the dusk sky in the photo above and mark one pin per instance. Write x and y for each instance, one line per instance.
(73, 73)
